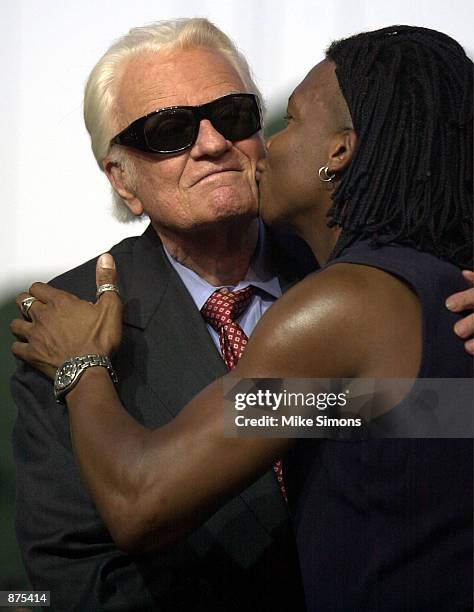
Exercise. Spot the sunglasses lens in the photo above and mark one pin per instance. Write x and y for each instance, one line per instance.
(170, 130)
(235, 117)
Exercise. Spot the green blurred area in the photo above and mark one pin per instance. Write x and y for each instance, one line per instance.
(12, 575)
(275, 120)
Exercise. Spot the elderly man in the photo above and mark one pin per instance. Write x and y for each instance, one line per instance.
(201, 199)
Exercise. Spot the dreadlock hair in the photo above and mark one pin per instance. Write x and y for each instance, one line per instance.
(409, 92)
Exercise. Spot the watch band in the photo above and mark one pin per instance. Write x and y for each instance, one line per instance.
(69, 373)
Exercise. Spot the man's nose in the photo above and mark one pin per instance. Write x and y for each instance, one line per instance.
(209, 142)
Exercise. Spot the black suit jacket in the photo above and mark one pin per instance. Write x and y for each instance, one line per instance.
(243, 558)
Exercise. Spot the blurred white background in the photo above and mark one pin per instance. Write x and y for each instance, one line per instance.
(56, 211)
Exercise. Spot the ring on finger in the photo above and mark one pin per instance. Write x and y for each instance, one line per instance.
(25, 306)
(106, 287)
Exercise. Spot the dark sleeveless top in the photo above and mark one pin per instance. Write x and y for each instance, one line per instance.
(386, 525)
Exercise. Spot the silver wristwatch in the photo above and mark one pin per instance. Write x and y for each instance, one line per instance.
(68, 374)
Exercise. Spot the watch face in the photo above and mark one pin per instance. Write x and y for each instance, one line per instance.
(66, 375)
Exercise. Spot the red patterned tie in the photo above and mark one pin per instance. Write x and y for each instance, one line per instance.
(221, 311)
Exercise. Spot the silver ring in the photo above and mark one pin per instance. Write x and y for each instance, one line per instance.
(25, 306)
(106, 287)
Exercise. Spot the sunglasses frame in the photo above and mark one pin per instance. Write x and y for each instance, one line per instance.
(134, 134)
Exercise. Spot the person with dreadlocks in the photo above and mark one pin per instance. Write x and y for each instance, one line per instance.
(374, 171)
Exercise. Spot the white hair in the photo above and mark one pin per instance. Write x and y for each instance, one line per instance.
(100, 111)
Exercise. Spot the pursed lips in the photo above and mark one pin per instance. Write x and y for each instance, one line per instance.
(215, 171)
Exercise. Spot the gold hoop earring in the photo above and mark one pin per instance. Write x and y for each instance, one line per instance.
(324, 175)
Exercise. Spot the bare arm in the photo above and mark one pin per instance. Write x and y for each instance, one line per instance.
(152, 486)
(149, 486)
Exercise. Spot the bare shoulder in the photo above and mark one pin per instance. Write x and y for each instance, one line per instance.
(340, 322)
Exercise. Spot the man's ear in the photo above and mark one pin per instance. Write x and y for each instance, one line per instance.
(121, 182)
(341, 150)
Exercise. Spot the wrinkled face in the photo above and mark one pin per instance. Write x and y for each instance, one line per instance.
(289, 183)
(212, 181)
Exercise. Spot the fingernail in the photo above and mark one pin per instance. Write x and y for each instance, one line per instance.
(459, 328)
(106, 261)
(450, 304)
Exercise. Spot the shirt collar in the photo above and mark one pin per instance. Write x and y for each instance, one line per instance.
(260, 274)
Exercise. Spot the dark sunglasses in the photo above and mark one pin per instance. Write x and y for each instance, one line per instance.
(176, 128)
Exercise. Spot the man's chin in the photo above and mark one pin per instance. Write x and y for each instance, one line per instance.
(229, 203)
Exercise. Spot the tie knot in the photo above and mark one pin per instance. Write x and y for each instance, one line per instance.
(224, 307)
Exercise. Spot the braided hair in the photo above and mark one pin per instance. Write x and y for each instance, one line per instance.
(409, 92)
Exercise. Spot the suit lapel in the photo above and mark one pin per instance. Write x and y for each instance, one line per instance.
(180, 348)
(176, 354)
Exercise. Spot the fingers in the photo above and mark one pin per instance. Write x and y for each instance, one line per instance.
(105, 272)
(20, 297)
(20, 328)
(32, 309)
(461, 301)
(106, 281)
(24, 351)
(465, 327)
(464, 300)
(43, 292)
(65, 325)
(20, 350)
